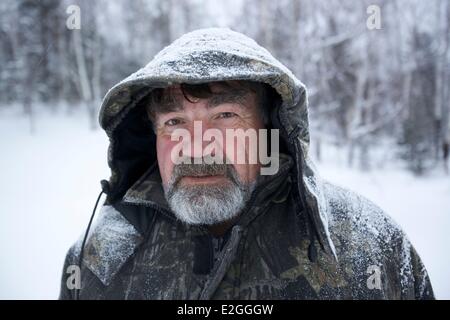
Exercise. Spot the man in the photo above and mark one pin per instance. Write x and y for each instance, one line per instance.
(176, 225)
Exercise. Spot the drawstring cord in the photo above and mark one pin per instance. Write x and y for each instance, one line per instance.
(105, 190)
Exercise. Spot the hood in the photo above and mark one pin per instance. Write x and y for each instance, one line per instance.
(207, 55)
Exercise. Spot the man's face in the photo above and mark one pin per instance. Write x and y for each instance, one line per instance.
(206, 190)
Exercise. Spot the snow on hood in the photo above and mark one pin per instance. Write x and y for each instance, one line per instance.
(206, 55)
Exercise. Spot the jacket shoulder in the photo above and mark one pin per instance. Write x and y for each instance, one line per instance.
(366, 217)
(110, 243)
(367, 238)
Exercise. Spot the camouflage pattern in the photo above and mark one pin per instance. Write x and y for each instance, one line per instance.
(299, 236)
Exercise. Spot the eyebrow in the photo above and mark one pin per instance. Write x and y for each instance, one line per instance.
(235, 96)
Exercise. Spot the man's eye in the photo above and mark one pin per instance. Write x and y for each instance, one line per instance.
(225, 115)
(173, 122)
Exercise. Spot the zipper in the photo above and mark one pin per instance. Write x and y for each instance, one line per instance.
(224, 261)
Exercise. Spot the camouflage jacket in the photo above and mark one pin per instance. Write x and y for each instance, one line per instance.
(299, 237)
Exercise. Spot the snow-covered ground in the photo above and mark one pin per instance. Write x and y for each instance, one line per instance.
(50, 181)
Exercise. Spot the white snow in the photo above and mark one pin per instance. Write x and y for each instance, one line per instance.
(50, 181)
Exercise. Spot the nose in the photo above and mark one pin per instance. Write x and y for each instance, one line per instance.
(203, 142)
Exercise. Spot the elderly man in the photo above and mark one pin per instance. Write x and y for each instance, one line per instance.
(187, 218)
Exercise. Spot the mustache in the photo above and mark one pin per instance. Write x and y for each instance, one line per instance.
(201, 169)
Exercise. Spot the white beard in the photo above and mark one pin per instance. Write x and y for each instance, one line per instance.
(208, 205)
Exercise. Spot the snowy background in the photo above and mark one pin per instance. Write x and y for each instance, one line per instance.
(379, 110)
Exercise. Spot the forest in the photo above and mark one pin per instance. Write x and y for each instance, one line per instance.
(377, 91)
